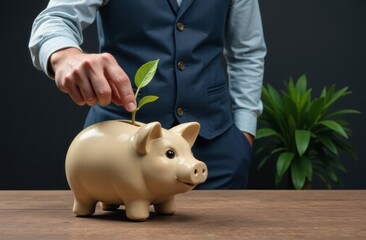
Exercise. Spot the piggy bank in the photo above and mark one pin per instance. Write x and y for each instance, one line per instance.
(117, 163)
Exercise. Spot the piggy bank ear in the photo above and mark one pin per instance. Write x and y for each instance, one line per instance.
(189, 131)
(144, 136)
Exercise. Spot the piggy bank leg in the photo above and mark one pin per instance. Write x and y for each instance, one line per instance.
(137, 210)
(84, 207)
(167, 207)
(108, 207)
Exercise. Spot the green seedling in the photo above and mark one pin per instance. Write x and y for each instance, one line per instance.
(143, 76)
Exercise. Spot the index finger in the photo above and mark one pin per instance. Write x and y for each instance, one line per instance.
(119, 78)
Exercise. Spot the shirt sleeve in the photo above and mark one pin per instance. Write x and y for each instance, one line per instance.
(244, 51)
(60, 26)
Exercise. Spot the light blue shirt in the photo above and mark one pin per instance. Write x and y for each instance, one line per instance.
(61, 24)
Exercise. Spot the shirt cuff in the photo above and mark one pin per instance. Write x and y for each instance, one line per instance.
(50, 46)
(246, 121)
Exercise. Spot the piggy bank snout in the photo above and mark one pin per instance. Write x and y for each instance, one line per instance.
(194, 174)
(199, 173)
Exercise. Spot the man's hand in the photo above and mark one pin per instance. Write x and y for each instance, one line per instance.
(92, 78)
(249, 137)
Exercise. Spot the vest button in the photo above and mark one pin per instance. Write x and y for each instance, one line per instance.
(181, 65)
(180, 26)
(180, 111)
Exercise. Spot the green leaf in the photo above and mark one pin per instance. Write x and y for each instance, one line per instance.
(336, 163)
(263, 161)
(265, 132)
(277, 150)
(345, 147)
(298, 174)
(323, 94)
(324, 180)
(146, 73)
(291, 124)
(275, 96)
(302, 139)
(272, 99)
(315, 110)
(328, 143)
(301, 168)
(278, 179)
(283, 162)
(332, 174)
(307, 166)
(267, 156)
(335, 96)
(291, 89)
(290, 105)
(146, 99)
(258, 149)
(301, 85)
(343, 111)
(305, 99)
(334, 126)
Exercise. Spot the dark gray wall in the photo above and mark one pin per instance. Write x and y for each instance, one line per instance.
(323, 39)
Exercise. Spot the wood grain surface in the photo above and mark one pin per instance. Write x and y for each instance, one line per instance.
(218, 214)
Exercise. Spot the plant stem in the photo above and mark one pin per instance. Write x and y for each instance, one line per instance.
(133, 117)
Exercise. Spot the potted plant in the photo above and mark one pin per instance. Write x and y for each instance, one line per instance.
(306, 136)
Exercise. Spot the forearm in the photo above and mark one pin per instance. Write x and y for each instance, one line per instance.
(60, 26)
(245, 51)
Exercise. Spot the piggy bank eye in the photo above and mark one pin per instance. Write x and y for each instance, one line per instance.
(170, 154)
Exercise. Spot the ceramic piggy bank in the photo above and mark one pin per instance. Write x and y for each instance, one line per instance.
(117, 163)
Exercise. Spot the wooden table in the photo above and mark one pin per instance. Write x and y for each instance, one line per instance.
(243, 214)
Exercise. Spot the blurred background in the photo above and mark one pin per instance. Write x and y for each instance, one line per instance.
(323, 39)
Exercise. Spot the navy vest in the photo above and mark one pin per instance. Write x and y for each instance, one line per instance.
(191, 80)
